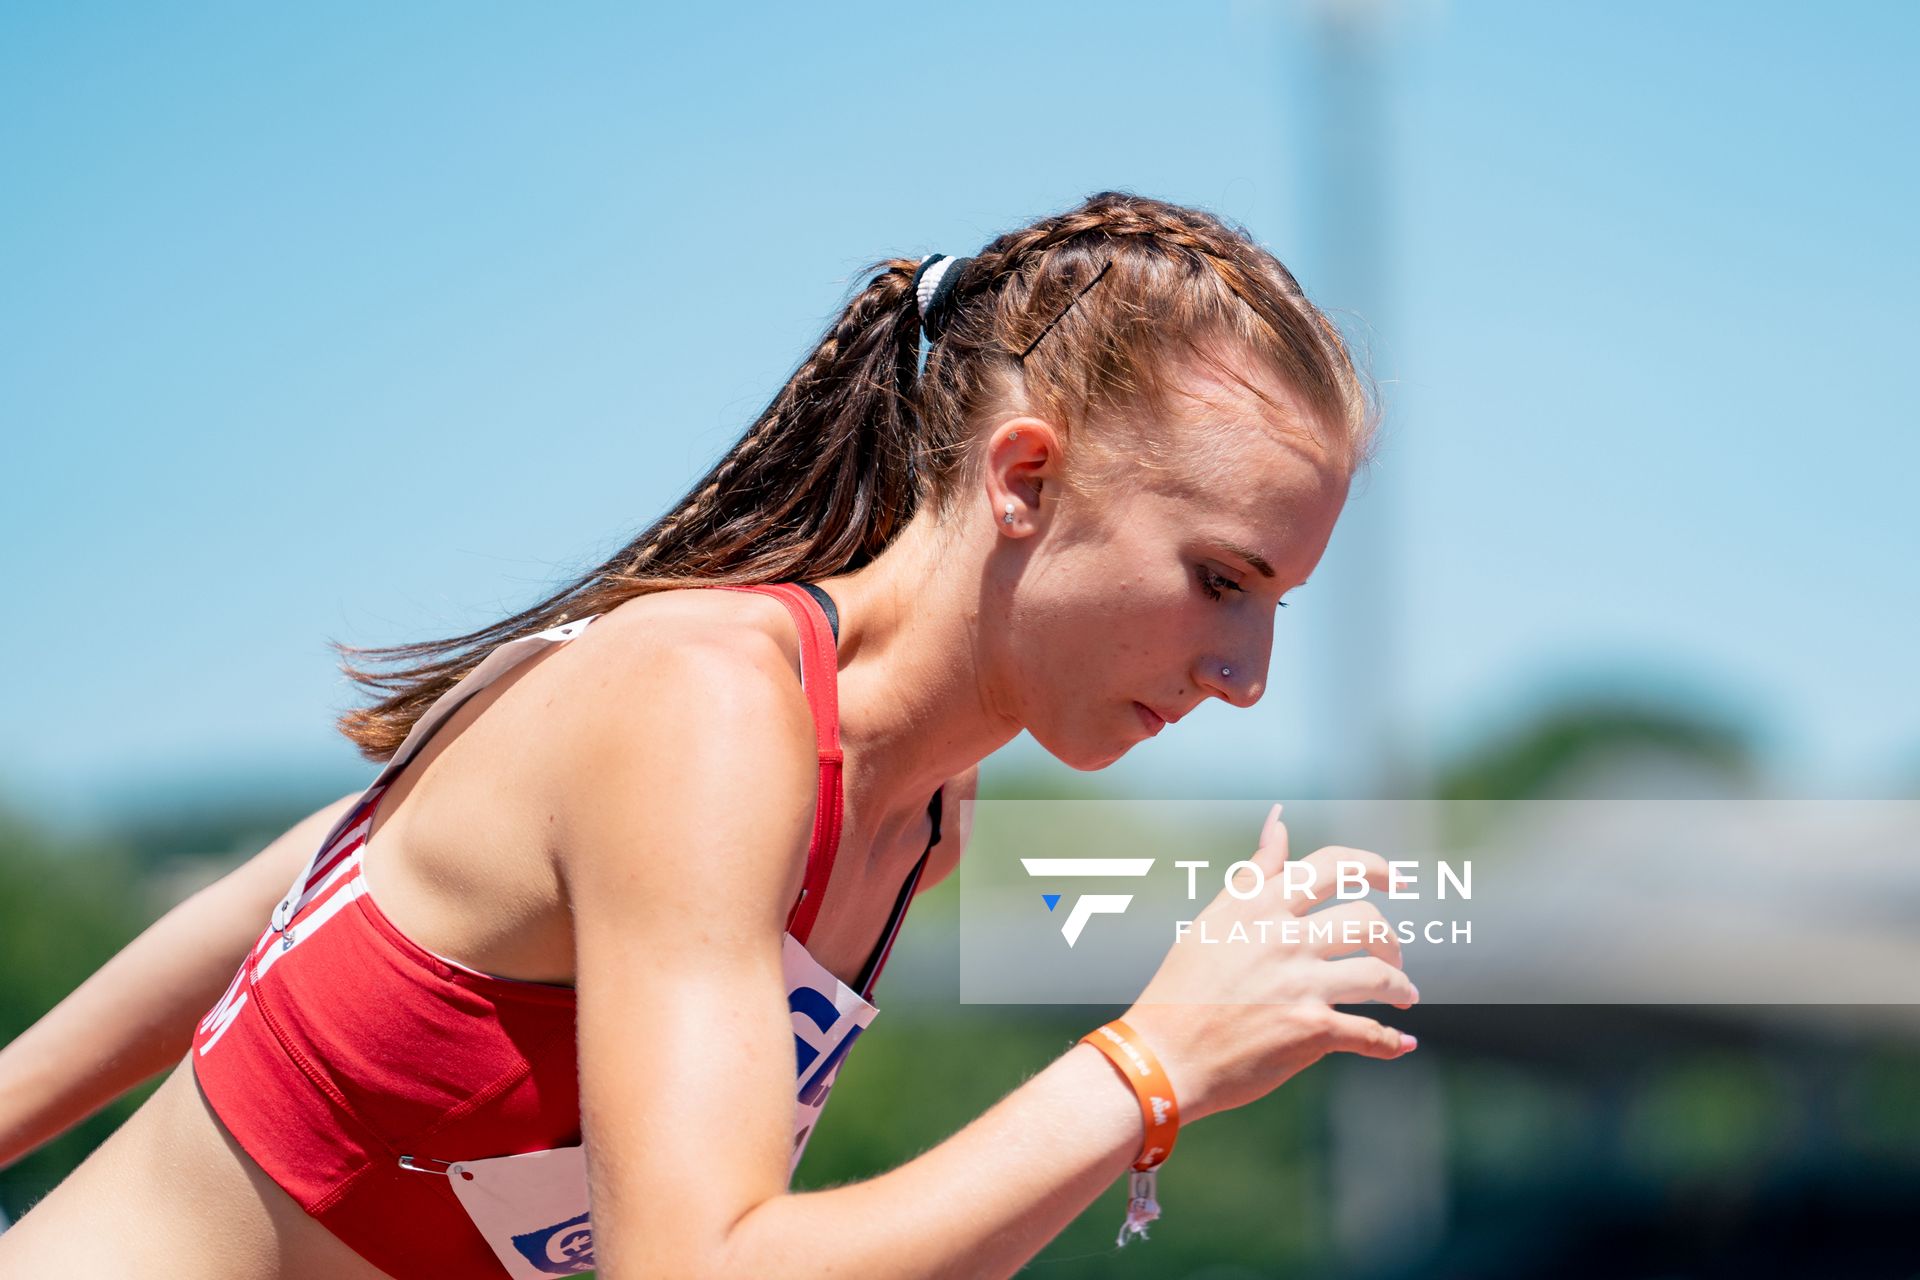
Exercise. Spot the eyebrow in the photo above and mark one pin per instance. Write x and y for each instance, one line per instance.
(1253, 558)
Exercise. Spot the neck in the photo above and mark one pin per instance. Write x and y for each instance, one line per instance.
(914, 703)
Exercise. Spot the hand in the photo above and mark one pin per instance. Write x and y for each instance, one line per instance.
(1231, 1021)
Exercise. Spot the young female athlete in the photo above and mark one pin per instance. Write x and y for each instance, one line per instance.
(639, 849)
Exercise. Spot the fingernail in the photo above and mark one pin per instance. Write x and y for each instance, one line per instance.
(1274, 816)
(1408, 1043)
(1416, 993)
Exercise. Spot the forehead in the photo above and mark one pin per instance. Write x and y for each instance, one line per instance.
(1220, 398)
(1240, 459)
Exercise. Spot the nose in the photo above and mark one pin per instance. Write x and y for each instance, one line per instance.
(1237, 673)
(1238, 682)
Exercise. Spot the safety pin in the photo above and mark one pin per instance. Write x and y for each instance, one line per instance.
(420, 1164)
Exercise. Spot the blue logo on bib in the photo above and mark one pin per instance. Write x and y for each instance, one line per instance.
(563, 1249)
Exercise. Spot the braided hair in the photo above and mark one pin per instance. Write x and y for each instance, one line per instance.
(861, 437)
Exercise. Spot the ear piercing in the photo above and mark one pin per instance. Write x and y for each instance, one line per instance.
(1008, 518)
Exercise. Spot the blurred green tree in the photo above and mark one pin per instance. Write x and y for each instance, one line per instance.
(66, 906)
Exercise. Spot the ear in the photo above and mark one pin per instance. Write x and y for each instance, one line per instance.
(1023, 453)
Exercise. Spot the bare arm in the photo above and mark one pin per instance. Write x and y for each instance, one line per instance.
(683, 833)
(982, 1203)
(135, 1016)
(684, 846)
(985, 1201)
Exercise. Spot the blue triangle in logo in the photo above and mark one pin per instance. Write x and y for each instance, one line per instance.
(1051, 899)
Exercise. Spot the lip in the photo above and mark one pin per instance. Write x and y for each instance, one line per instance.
(1154, 721)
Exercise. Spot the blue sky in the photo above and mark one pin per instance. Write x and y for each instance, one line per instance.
(368, 321)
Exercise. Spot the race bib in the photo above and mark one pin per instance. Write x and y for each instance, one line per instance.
(531, 1208)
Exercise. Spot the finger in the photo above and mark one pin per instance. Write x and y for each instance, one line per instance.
(1350, 927)
(1353, 1033)
(1306, 890)
(1271, 853)
(1362, 979)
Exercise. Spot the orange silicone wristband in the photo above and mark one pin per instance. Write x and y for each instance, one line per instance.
(1158, 1108)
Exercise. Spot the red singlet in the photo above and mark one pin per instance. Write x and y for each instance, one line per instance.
(343, 1046)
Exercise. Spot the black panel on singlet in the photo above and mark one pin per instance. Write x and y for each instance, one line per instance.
(826, 604)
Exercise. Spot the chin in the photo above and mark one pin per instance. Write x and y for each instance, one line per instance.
(1085, 757)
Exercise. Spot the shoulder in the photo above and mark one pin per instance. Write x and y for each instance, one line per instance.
(703, 670)
(696, 621)
(685, 715)
(698, 650)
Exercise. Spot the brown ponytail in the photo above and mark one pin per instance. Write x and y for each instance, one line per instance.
(840, 462)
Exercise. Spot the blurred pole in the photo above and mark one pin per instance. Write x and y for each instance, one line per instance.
(1387, 1161)
(1346, 211)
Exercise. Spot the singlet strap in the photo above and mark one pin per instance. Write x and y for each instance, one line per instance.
(820, 678)
(878, 961)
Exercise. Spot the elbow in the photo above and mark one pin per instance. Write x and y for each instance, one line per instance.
(733, 1256)
(651, 1261)
(683, 1254)
(762, 1241)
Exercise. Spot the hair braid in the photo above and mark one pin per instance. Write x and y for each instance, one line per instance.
(824, 478)
(860, 438)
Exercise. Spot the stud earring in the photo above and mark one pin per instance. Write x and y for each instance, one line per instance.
(1007, 518)
(1226, 671)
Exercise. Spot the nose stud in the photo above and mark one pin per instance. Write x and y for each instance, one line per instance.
(1226, 671)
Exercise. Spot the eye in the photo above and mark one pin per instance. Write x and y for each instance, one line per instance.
(1216, 585)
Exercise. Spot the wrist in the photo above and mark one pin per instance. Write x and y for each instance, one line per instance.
(1132, 1055)
(1116, 1111)
(1128, 1052)
(1184, 1076)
